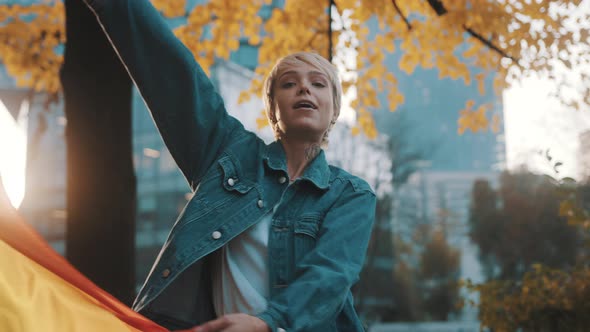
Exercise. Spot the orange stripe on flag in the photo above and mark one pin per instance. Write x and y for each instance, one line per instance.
(35, 282)
(34, 299)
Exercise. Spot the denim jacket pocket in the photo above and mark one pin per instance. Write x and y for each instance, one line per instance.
(233, 180)
(305, 231)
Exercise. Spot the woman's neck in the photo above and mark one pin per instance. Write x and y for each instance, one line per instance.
(299, 154)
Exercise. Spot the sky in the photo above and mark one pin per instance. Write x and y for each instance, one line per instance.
(535, 123)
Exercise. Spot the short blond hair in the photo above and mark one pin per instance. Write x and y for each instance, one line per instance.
(318, 62)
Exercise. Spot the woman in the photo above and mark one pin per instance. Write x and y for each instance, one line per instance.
(273, 238)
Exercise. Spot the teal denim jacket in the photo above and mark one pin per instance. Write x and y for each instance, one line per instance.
(322, 224)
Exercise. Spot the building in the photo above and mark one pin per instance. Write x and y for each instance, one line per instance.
(584, 156)
(439, 190)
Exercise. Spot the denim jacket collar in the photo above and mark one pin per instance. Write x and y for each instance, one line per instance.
(317, 172)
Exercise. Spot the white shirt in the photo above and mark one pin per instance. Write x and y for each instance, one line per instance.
(240, 275)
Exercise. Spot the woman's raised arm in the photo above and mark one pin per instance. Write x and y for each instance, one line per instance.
(188, 112)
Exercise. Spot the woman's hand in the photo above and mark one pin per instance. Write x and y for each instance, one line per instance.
(232, 323)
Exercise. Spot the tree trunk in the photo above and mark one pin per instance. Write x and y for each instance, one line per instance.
(100, 237)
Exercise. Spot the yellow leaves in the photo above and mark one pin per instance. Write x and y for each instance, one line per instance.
(575, 213)
(480, 83)
(385, 42)
(496, 124)
(227, 22)
(450, 66)
(170, 8)
(366, 123)
(261, 120)
(474, 120)
(408, 62)
(474, 49)
(243, 97)
(216, 28)
(395, 99)
(254, 40)
(541, 289)
(29, 38)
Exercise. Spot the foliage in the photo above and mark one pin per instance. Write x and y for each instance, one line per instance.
(545, 297)
(426, 276)
(519, 224)
(30, 37)
(423, 284)
(423, 276)
(463, 39)
(439, 272)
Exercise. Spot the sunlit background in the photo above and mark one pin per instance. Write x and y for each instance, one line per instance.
(534, 124)
(13, 152)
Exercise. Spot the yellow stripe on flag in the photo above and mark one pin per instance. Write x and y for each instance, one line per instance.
(34, 299)
(41, 291)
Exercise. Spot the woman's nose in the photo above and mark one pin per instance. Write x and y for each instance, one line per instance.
(303, 89)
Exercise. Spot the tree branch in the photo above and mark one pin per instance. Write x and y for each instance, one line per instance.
(399, 11)
(488, 43)
(440, 10)
(438, 7)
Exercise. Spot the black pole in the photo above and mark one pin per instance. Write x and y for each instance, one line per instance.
(331, 3)
(100, 194)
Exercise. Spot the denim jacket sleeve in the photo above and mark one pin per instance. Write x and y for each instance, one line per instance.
(190, 115)
(325, 275)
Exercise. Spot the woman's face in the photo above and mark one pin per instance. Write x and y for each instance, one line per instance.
(303, 102)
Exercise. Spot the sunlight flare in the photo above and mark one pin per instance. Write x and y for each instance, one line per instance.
(13, 152)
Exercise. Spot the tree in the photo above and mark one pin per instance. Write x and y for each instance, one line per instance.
(508, 39)
(439, 275)
(425, 280)
(547, 295)
(408, 279)
(519, 224)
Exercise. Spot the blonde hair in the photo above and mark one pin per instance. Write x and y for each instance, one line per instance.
(318, 62)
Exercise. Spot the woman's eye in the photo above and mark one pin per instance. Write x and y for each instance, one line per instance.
(287, 84)
(319, 84)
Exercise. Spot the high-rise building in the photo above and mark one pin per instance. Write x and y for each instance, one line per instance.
(439, 190)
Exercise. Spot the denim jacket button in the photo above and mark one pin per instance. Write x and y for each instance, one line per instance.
(166, 273)
(282, 179)
(260, 203)
(216, 235)
(231, 182)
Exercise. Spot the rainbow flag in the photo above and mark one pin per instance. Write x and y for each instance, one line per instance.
(41, 291)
